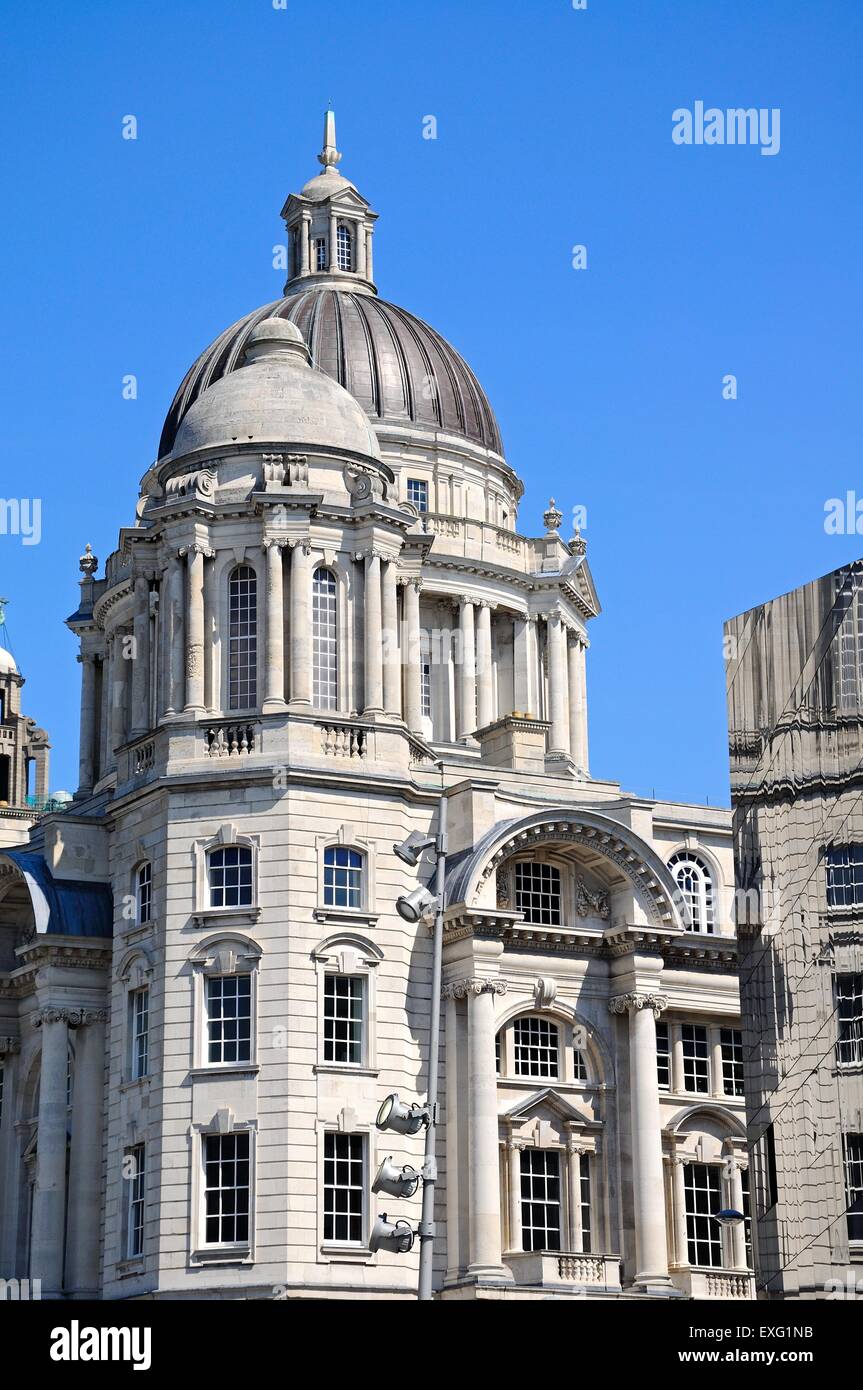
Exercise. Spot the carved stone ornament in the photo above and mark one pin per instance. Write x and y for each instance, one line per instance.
(552, 517)
(461, 989)
(625, 1003)
(88, 563)
(503, 893)
(8, 1045)
(588, 902)
(74, 1018)
(200, 483)
(363, 484)
(544, 992)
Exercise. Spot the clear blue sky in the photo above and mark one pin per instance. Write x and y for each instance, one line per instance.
(554, 128)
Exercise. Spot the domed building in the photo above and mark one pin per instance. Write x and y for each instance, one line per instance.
(324, 624)
(25, 753)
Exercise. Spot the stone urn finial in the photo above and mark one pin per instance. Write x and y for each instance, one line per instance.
(552, 517)
(88, 563)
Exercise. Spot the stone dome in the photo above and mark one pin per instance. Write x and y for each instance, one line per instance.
(8, 666)
(398, 368)
(276, 397)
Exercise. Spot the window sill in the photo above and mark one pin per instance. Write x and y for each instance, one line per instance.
(209, 916)
(351, 1254)
(341, 915)
(343, 1069)
(237, 1069)
(215, 1254)
(136, 1083)
(128, 1269)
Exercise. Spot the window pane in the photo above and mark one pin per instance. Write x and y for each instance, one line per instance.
(695, 887)
(343, 877)
(324, 640)
(344, 1187)
(418, 493)
(702, 1186)
(536, 1045)
(144, 890)
(844, 875)
(226, 1191)
(243, 639)
(134, 1176)
(230, 876)
(696, 1067)
(344, 1000)
(537, 893)
(849, 1011)
(140, 1032)
(229, 1018)
(663, 1056)
(731, 1043)
(540, 1199)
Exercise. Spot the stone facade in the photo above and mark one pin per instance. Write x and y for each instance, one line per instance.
(311, 629)
(22, 743)
(796, 748)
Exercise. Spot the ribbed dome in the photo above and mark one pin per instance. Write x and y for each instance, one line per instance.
(399, 369)
(7, 663)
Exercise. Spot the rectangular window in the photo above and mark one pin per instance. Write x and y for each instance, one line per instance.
(702, 1186)
(343, 877)
(844, 875)
(229, 872)
(853, 1151)
(229, 1018)
(579, 1065)
(696, 1063)
(320, 253)
(344, 1188)
(344, 1017)
(537, 893)
(145, 893)
(418, 493)
(134, 1174)
(139, 1017)
(851, 654)
(586, 1245)
(227, 1189)
(540, 1199)
(731, 1046)
(536, 1047)
(747, 1215)
(425, 674)
(764, 1153)
(849, 1010)
(663, 1057)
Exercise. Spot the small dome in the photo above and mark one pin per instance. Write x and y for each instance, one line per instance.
(324, 185)
(277, 398)
(7, 663)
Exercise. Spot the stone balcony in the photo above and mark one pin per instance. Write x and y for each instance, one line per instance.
(570, 1272)
(713, 1283)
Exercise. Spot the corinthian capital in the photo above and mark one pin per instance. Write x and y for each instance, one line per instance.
(626, 1003)
(73, 1018)
(461, 989)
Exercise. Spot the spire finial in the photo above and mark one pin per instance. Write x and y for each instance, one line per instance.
(329, 155)
(3, 603)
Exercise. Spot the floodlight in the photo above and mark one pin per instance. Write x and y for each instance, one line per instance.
(416, 905)
(403, 1119)
(410, 849)
(391, 1235)
(394, 1181)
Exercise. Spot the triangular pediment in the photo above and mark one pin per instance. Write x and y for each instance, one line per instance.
(541, 1105)
(579, 578)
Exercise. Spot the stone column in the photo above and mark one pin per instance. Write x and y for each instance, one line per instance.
(211, 625)
(681, 1241)
(485, 1236)
(369, 267)
(177, 696)
(119, 673)
(49, 1195)
(333, 263)
(484, 673)
(360, 261)
(583, 753)
(522, 655)
(373, 647)
(141, 661)
(576, 1226)
(558, 737)
(514, 1148)
(647, 1185)
(575, 669)
(391, 653)
(301, 624)
(467, 713)
(274, 679)
(451, 1063)
(716, 1084)
(411, 656)
(87, 742)
(305, 240)
(195, 640)
(85, 1159)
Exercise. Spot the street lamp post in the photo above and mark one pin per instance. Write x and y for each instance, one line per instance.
(427, 1223)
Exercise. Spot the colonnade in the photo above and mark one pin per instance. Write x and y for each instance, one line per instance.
(162, 663)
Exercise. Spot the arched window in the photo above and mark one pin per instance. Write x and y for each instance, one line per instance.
(144, 893)
(536, 1048)
(345, 248)
(343, 877)
(325, 657)
(243, 638)
(695, 886)
(229, 876)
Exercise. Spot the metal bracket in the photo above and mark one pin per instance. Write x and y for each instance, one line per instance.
(428, 1172)
(426, 1230)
